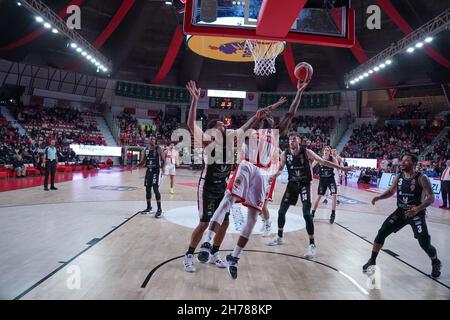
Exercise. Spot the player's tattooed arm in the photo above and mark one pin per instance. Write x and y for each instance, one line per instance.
(388, 193)
(313, 156)
(193, 127)
(429, 197)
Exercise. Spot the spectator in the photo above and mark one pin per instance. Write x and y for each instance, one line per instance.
(19, 167)
(51, 161)
(445, 186)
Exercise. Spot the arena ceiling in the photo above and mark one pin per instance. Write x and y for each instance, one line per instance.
(139, 44)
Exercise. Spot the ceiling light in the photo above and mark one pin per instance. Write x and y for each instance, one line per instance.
(419, 45)
(370, 71)
(54, 30)
(366, 75)
(89, 57)
(382, 66)
(73, 45)
(410, 50)
(39, 19)
(19, 3)
(388, 62)
(79, 49)
(376, 69)
(47, 25)
(84, 53)
(429, 39)
(352, 82)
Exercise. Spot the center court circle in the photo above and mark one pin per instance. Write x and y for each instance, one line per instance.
(188, 217)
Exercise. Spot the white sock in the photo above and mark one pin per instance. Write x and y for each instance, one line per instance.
(237, 251)
(209, 236)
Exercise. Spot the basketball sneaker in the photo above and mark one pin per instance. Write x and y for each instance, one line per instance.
(188, 263)
(158, 214)
(332, 218)
(215, 259)
(276, 242)
(205, 252)
(436, 271)
(311, 253)
(148, 210)
(267, 229)
(369, 266)
(325, 201)
(232, 263)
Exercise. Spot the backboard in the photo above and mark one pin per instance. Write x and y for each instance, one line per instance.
(316, 22)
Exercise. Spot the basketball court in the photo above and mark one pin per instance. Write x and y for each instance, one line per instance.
(89, 240)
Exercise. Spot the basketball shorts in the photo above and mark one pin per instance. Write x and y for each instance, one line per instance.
(170, 170)
(327, 183)
(296, 189)
(397, 220)
(249, 185)
(152, 178)
(209, 197)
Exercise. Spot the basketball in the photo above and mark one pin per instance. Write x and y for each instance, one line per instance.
(303, 72)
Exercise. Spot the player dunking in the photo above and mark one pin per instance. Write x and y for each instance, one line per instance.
(410, 187)
(212, 185)
(282, 129)
(296, 158)
(152, 160)
(249, 186)
(327, 181)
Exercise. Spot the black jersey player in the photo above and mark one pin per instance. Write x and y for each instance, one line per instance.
(414, 195)
(297, 158)
(327, 181)
(152, 161)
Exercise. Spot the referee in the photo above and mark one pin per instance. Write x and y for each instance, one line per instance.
(50, 160)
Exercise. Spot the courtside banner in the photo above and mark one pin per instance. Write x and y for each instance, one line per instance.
(436, 185)
(86, 150)
(362, 163)
(386, 181)
(353, 176)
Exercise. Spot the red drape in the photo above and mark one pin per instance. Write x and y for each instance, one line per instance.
(174, 48)
(35, 34)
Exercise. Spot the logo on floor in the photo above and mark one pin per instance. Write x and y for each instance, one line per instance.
(347, 200)
(114, 188)
(188, 217)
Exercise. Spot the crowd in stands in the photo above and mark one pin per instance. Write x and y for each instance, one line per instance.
(134, 134)
(409, 112)
(64, 124)
(390, 141)
(441, 150)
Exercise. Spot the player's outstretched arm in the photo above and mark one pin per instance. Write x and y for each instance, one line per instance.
(260, 114)
(195, 95)
(287, 119)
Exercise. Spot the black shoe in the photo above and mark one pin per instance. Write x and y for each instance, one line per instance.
(232, 266)
(436, 271)
(158, 214)
(146, 211)
(53, 188)
(443, 207)
(369, 264)
(46, 189)
(325, 201)
(332, 217)
(338, 202)
(205, 251)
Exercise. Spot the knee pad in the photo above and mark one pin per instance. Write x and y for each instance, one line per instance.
(425, 244)
(157, 193)
(148, 192)
(251, 221)
(282, 214)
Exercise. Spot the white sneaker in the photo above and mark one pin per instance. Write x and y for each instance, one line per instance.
(276, 242)
(217, 260)
(188, 263)
(311, 253)
(267, 230)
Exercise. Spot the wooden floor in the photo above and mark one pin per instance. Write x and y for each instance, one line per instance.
(89, 228)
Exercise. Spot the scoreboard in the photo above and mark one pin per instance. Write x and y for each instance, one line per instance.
(226, 103)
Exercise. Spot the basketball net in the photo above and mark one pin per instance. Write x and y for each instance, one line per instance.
(264, 53)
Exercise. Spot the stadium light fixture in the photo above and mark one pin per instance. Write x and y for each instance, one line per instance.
(410, 50)
(428, 39)
(54, 30)
(19, 3)
(39, 19)
(47, 25)
(419, 45)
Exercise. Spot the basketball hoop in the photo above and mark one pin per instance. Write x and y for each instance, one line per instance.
(265, 53)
